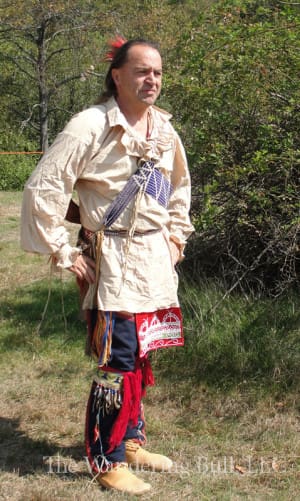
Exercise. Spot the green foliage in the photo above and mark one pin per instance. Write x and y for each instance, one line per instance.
(15, 168)
(232, 83)
(238, 90)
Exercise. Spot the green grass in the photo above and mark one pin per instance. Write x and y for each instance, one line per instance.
(238, 340)
(225, 407)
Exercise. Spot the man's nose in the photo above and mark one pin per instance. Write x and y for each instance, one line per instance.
(151, 77)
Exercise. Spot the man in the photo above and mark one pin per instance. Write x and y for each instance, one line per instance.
(129, 169)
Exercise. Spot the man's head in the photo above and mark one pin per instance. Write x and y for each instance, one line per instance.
(135, 73)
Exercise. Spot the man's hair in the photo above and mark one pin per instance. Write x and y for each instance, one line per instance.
(119, 59)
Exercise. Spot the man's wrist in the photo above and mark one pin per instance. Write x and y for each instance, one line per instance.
(66, 256)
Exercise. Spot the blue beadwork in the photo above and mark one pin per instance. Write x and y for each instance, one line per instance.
(148, 178)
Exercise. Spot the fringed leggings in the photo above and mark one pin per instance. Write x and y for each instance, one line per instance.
(114, 409)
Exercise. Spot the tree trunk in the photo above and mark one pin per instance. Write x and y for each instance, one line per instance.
(43, 91)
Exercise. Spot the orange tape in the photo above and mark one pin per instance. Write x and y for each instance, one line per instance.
(21, 152)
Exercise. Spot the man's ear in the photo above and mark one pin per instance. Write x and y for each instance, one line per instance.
(115, 76)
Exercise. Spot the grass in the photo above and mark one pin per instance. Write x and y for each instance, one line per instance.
(225, 408)
(239, 338)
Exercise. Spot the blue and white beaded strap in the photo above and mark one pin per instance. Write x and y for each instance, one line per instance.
(150, 180)
(159, 187)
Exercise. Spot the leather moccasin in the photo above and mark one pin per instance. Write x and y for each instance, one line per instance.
(121, 479)
(142, 459)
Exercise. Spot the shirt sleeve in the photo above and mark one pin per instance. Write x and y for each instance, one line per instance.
(180, 227)
(47, 194)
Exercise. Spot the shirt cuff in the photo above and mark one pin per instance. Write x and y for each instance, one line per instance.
(65, 256)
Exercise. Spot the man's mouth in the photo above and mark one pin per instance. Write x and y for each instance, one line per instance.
(148, 91)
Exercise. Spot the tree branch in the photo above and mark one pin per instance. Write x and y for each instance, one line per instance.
(59, 51)
(29, 56)
(63, 82)
(23, 70)
(25, 122)
(16, 111)
(63, 31)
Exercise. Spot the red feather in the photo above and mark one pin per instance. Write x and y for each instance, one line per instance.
(114, 46)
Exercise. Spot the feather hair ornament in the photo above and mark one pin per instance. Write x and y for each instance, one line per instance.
(114, 45)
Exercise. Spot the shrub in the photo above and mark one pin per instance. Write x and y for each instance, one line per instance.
(15, 170)
(238, 90)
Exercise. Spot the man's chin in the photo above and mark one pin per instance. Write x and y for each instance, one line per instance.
(149, 100)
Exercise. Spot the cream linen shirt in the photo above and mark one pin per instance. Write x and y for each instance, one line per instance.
(95, 154)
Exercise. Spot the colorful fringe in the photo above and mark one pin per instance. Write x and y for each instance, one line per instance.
(132, 386)
(107, 394)
(102, 337)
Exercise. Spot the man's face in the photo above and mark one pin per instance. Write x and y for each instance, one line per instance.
(138, 81)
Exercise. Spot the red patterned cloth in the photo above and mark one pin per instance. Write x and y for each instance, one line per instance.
(160, 329)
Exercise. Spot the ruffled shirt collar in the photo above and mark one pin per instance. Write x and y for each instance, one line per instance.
(162, 136)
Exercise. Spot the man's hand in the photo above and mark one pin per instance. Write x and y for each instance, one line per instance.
(84, 268)
(175, 252)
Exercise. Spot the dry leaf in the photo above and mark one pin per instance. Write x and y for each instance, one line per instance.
(240, 469)
(275, 466)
